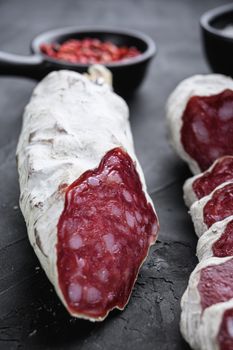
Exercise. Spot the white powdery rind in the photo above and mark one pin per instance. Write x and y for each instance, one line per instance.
(207, 240)
(197, 85)
(68, 126)
(191, 310)
(197, 208)
(189, 194)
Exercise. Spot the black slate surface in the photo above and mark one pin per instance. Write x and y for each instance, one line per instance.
(31, 317)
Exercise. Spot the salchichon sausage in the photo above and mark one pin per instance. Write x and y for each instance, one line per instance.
(83, 194)
(200, 117)
(200, 120)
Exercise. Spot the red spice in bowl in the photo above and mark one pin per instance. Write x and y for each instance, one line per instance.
(89, 50)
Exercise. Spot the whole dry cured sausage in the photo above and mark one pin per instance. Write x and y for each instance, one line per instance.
(200, 120)
(83, 194)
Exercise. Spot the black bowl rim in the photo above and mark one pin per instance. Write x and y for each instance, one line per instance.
(213, 13)
(148, 54)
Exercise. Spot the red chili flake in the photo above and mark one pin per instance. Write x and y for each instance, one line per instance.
(89, 50)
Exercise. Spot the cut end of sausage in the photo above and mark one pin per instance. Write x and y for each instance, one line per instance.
(223, 247)
(206, 132)
(225, 335)
(215, 284)
(104, 234)
(221, 172)
(220, 205)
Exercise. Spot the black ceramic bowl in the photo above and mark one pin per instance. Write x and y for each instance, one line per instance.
(127, 74)
(217, 43)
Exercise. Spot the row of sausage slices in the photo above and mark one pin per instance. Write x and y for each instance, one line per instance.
(200, 120)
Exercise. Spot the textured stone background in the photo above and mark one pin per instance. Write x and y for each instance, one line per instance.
(31, 316)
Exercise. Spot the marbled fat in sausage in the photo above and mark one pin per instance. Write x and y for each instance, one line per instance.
(219, 206)
(207, 128)
(215, 283)
(104, 233)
